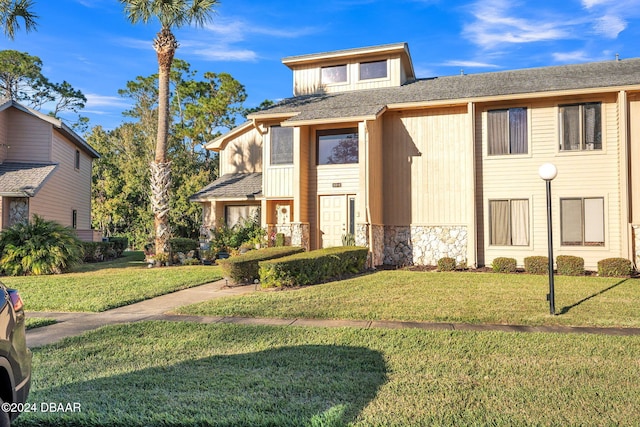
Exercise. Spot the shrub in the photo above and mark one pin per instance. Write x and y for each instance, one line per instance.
(279, 239)
(536, 265)
(569, 265)
(245, 269)
(120, 244)
(348, 239)
(38, 247)
(504, 265)
(312, 267)
(446, 264)
(181, 244)
(97, 251)
(615, 267)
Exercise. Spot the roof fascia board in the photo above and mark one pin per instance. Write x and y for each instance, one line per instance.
(292, 61)
(336, 120)
(531, 95)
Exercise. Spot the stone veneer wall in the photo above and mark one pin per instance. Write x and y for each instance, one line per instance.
(300, 235)
(376, 254)
(636, 244)
(424, 245)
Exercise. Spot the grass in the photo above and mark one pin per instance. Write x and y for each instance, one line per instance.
(446, 297)
(159, 373)
(102, 286)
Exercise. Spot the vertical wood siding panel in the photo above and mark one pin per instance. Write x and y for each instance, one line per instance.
(243, 154)
(29, 138)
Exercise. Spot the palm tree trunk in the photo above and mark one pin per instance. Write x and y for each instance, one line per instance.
(165, 45)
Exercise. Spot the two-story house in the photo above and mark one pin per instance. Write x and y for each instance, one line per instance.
(45, 169)
(419, 169)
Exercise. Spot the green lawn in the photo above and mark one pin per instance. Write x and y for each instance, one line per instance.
(181, 374)
(102, 286)
(446, 297)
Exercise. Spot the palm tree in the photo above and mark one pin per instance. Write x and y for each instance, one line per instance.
(170, 13)
(11, 10)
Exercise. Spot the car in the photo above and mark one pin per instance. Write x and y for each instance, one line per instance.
(15, 356)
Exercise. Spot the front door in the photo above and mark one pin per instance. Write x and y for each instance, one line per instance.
(336, 219)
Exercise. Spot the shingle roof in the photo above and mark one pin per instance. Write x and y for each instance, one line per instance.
(23, 179)
(232, 186)
(363, 103)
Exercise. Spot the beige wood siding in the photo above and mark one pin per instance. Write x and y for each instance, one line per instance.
(307, 79)
(580, 174)
(302, 154)
(371, 180)
(243, 154)
(426, 167)
(634, 156)
(3, 135)
(277, 180)
(29, 138)
(67, 189)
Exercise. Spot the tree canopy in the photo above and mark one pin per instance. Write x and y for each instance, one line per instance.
(14, 11)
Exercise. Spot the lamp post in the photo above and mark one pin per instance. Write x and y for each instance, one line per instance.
(548, 172)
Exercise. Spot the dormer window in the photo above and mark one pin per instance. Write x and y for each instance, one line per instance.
(373, 70)
(334, 74)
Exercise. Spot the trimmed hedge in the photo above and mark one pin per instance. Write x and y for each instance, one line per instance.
(244, 268)
(184, 245)
(97, 251)
(504, 265)
(569, 265)
(536, 265)
(615, 267)
(447, 264)
(313, 267)
(120, 244)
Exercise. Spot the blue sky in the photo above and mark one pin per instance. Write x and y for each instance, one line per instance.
(90, 43)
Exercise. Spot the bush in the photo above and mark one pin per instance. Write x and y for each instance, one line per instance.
(279, 239)
(184, 245)
(447, 264)
(615, 267)
(245, 269)
(569, 265)
(536, 265)
(38, 247)
(120, 244)
(97, 251)
(504, 265)
(313, 267)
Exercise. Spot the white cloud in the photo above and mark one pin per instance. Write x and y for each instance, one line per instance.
(571, 57)
(95, 101)
(496, 23)
(226, 54)
(610, 26)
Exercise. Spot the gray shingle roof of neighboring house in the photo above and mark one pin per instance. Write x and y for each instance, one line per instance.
(232, 186)
(369, 103)
(23, 179)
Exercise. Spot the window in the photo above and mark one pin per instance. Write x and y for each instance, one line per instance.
(77, 163)
(281, 145)
(373, 70)
(581, 127)
(235, 214)
(507, 131)
(335, 74)
(582, 221)
(337, 147)
(509, 222)
(74, 219)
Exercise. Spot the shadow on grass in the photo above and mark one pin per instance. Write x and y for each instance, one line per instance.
(130, 259)
(315, 385)
(568, 308)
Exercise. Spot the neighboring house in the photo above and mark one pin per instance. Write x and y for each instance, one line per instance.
(420, 169)
(45, 170)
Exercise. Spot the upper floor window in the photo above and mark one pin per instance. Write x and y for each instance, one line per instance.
(77, 159)
(373, 70)
(281, 145)
(509, 222)
(581, 127)
(334, 74)
(337, 147)
(582, 221)
(507, 131)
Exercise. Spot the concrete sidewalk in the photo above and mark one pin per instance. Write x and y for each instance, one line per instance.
(70, 324)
